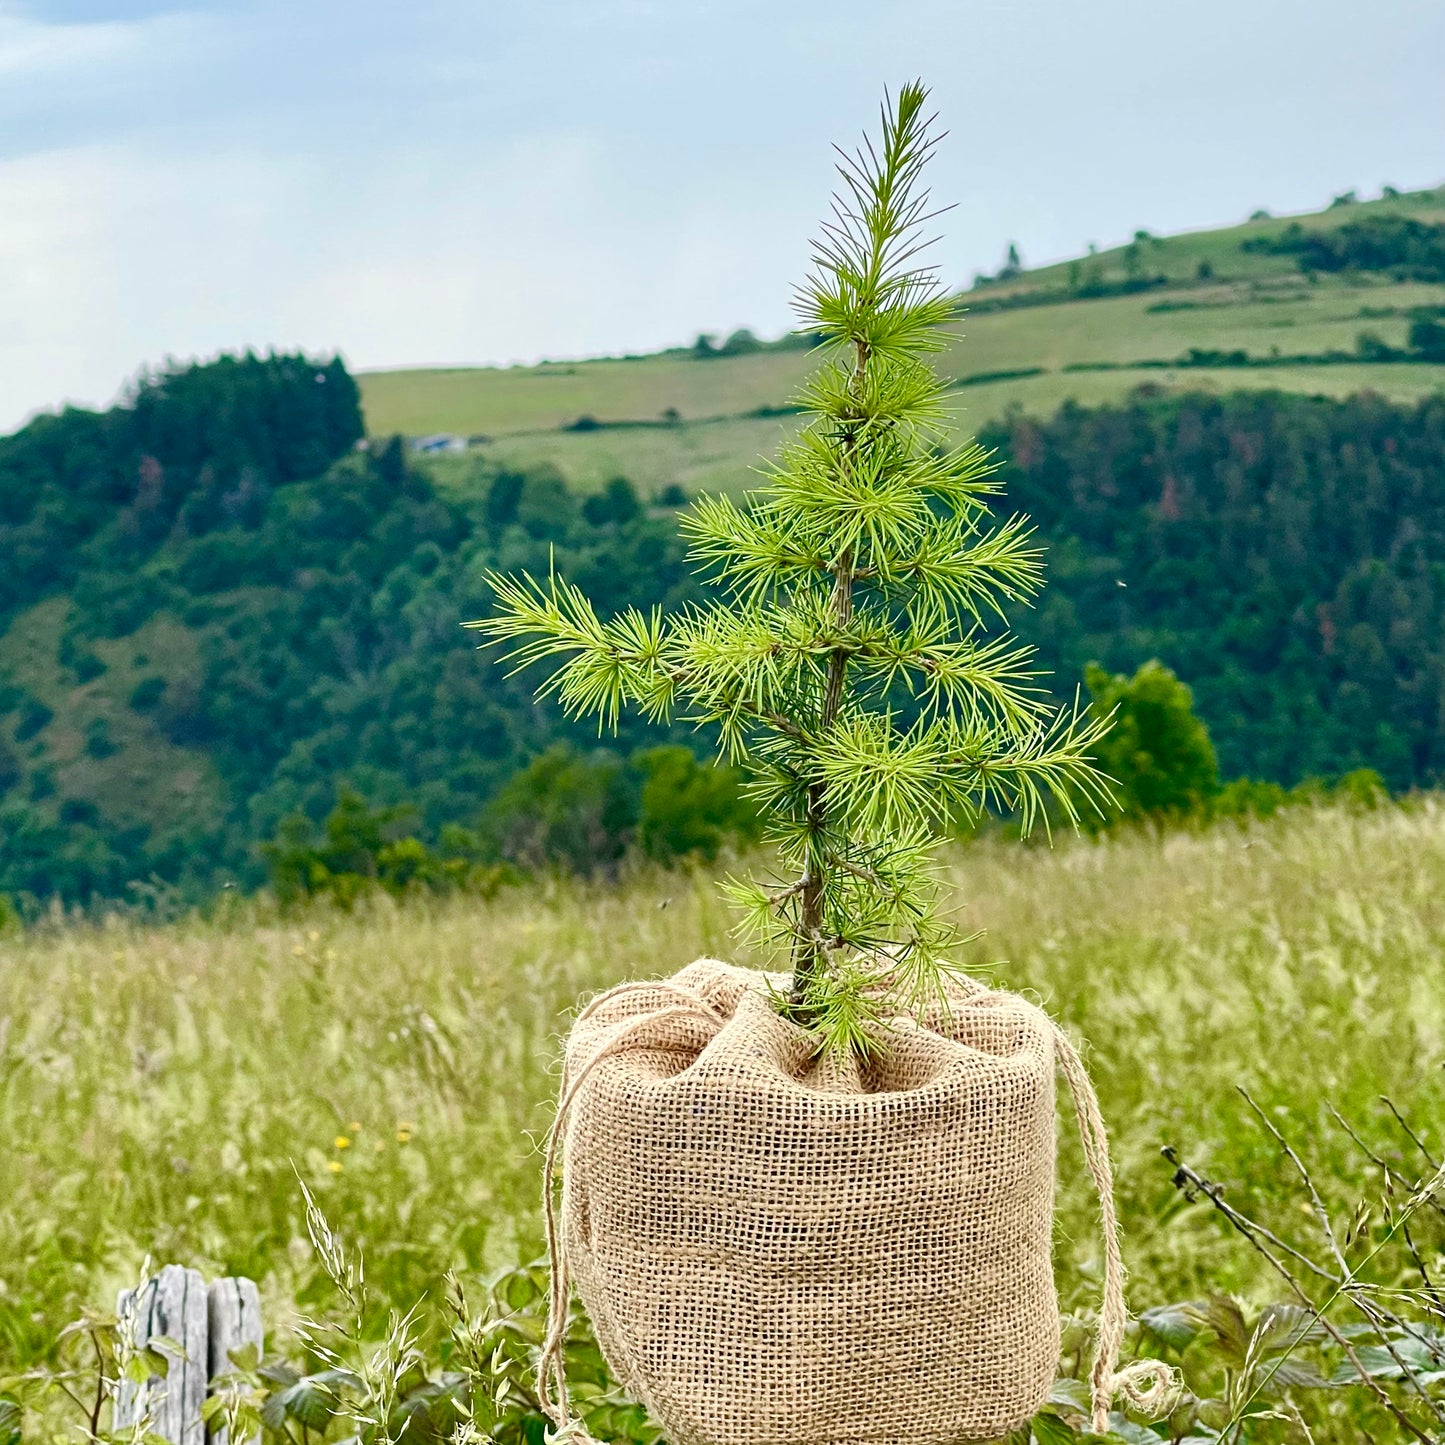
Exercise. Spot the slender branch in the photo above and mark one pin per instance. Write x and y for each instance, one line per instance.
(100, 1384)
(1393, 1175)
(1316, 1203)
(1349, 1286)
(1414, 1138)
(1192, 1184)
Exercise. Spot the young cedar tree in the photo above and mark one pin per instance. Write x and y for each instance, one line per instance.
(846, 664)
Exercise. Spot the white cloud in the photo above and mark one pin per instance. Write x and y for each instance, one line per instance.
(31, 49)
(115, 256)
(448, 182)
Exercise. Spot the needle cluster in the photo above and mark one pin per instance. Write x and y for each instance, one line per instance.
(851, 662)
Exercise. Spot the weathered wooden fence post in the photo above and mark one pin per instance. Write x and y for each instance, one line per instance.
(234, 1316)
(207, 1323)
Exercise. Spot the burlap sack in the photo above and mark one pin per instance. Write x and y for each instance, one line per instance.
(775, 1251)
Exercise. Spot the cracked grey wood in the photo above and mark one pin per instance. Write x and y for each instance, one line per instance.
(235, 1321)
(173, 1304)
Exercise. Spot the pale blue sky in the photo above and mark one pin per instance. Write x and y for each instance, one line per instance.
(453, 181)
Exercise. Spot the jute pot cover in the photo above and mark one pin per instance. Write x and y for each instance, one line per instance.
(778, 1250)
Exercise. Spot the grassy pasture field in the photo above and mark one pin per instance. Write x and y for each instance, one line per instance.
(162, 1087)
(725, 455)
(672, 417)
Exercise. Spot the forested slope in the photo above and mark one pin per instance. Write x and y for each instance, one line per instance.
(217, 610)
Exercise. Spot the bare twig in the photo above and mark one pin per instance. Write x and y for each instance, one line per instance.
(1414, 1138)
(1350, 1287)
(1192, 1184)
(1393, 1175)
(1316, 1203)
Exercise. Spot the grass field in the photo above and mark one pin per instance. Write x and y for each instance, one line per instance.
(1254, 302)
(724, 455)
(161, 1088)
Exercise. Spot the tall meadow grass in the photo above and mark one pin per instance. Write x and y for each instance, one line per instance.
(161, 1088)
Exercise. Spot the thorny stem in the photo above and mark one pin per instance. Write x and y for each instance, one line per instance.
(1393, 1175)
(808, 959)
(1191, 1185)
(1414, 1138)
(1348, 1284)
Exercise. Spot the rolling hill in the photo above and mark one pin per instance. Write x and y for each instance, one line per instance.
(224, 604)
(1089, 330)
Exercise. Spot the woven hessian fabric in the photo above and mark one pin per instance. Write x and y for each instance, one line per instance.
(775, 1251)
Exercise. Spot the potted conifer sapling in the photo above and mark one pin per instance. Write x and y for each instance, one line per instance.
(816, 1205)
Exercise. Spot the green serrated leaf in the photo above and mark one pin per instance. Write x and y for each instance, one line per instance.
(138, 1369)
(311, 1402)
(1070, 1394)
(245, 1357)
(1176, 1325)
(1049, 1429)
(278, 1372)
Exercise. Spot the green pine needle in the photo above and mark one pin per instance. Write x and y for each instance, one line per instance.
(862, 578)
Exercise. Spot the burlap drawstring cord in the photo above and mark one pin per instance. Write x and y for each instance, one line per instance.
(1147, 1385)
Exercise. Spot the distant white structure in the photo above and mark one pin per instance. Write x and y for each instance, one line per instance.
(441, 442)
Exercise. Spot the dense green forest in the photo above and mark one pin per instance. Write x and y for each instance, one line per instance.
(222, 609)
(1408, 248)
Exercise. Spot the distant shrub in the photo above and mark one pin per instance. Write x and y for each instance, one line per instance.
(1427, 339)
(34, 716)
(87, 667)
(565, 807)
(982, 378)
(616, 502)
(98, 741)
(1370, 346)
(147, 693)
(672, 495)
(500, 505)
(1202, 356)
(1391, 242)
(1158, 752)
(741, 343)
(365, 850)
(1249, 798)
(688, 807)
(585, 811)
(546, 507)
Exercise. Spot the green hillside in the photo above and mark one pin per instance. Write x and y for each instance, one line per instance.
(223, 605)
(1089, 330)
(220, 613)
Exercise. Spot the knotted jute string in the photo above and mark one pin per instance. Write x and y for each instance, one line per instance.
(1147, 1385)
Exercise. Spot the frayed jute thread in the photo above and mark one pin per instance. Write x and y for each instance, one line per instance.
(1149, 1386)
